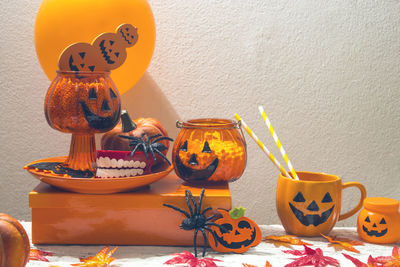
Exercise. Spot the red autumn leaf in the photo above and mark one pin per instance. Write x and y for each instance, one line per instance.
(345, 244)
(311, 256)
(101, 259)
(371, 261)
(390, 261)
(285, 240)
(191, 261)
(39, 255)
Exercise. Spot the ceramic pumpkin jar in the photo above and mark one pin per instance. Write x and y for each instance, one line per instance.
(14, 243)
(379, 220)
(82, 103)
(238, 233)
(209, 150)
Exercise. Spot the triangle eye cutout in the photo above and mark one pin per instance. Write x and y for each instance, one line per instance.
(111, 42)
(206, 148)
(91, 68)
(116, 54)
(299, 197)
(367, 219)
(327, 198)
(383, 221)
(184, 147)
(112, 94)
(82, 55)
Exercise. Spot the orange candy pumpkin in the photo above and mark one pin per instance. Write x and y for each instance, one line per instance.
(14, 243)
(149, 126)
(238, 233)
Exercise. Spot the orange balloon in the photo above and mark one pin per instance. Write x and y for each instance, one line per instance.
(60, 23)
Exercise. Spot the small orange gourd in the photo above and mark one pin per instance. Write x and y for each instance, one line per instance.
(237, 234)
(14, 243)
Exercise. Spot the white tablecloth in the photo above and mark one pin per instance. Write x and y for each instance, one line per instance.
(155, 256)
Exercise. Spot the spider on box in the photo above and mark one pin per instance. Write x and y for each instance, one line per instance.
(196, 220)
(148, 144)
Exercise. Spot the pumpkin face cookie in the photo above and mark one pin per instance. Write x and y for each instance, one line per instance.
(80, 57)
(111, 48)
(128, 33)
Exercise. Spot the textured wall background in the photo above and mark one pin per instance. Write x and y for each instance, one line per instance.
(326, 72)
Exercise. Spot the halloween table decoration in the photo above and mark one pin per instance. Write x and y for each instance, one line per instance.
(133, 148)
(14, 243)
(190, 260)
(343, 243)
(379, 220)
(102, 258)
(311, 206)
(285, 241)
(55, 30)
(237, 234)
(39, 255)
(309, 256)
(209, 150)
(196, 219)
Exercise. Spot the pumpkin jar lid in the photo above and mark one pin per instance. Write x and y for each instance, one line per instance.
(381, 204)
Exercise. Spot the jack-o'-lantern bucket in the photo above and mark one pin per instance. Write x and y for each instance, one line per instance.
(379, 220)
(82, 103)
(209, 150)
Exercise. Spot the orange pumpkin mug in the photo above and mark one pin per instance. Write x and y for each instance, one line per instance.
(311, 205)
(379, 220)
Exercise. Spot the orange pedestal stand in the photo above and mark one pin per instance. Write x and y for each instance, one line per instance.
(130, 218)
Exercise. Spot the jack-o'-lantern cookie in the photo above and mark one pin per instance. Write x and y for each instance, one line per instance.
(111, 48)
(128, 34)
(80, 57)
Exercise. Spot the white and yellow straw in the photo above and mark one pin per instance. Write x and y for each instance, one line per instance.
(261, 145)
(278, 142)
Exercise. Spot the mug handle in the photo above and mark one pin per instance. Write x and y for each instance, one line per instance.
(360, 203)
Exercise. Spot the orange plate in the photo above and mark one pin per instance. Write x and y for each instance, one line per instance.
(96, 185)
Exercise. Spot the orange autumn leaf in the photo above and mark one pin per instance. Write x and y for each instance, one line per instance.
(345, 244)
(285, 239)
(39, 255)
(101, 259)
(248, 265)
(390, 261)
(267, 264)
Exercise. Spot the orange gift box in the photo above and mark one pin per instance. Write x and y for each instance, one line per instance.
(130, 218)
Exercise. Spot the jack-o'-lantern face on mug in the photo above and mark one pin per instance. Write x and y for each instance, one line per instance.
(375, 226)
(310, 210)
(195, 161)
(235, 234)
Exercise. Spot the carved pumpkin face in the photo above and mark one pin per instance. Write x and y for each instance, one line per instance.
(80, 57)
(129, 34)
(312, 211)
(379, 221)
(87, 105)
(112, 49)
(214, 154)
(236, 235)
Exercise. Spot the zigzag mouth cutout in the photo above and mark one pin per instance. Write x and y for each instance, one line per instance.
(123, 35)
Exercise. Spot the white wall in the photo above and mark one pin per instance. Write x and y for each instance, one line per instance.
(327, 73)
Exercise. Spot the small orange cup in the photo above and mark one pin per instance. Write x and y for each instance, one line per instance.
(311, 206)
(379, 220)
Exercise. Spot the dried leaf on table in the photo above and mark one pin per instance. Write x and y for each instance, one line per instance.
(343, 244)
(311, 256)
(190, 260)
(285, 240)
(267, 264)
(371, 261)
(390, 261)
(39, 255)
(101, 259)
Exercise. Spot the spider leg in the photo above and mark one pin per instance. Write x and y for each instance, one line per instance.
(154, 136)
(211, 217)
(215, 224)
(205, 210)
(162, 155)
(188, 202)
(201, 198)
(177, 209)
(194, 242)
(163, 138)
(205, 241)
(134, 150)
(212, 232)
(152, 153)
(194, 203)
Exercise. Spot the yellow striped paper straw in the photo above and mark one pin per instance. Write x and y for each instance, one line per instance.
(277, 141)
(261, 145)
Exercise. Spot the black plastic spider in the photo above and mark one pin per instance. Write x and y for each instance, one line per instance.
(196, 219)
(148, 144)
